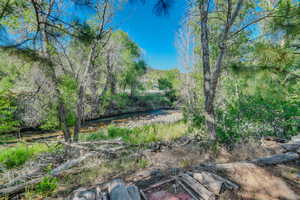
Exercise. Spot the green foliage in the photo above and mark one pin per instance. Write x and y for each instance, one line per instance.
(7, 138)
(93, 136)
(165, 85)
(47, 185)
(143, 163)
(8, 122)
(16, 156)
(68, 87)
(141, 135)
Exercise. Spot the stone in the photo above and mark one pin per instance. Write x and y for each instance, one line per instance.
(83, 194)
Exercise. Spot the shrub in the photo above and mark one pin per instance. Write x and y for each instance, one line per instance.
(16, 156)
(47, 185)
(100, 135)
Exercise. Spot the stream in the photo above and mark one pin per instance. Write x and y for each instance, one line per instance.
(129, 120)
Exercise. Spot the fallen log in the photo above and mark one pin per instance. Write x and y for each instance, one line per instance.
(265, 161)
(22, 178)
(117, 190)
(71, 163)
(291, 146)
(74, 145)
(6, 192)
(55, 172)
(197, 187)
(116, 141)
(276, 159)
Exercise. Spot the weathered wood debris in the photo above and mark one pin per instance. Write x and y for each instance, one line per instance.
(199, 185)
(77, 153)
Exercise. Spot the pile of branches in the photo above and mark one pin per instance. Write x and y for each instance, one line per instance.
(74, 154)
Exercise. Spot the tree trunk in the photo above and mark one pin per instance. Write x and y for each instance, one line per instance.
(79, 113)
(207, 86)
(110, 74)
(61, 110)
(211, 79)
(81, 92)
(63, 121)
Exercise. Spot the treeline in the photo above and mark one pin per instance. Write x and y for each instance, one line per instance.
(254, 92)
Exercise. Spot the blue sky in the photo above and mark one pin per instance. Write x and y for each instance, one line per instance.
(154, 34)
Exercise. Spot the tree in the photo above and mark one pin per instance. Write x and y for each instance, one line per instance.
(221, 22)
(97, 42)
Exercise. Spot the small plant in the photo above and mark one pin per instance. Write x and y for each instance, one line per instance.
(100, 135)
(185, 163)
(48, 168)
(142, 163)
(47, 185)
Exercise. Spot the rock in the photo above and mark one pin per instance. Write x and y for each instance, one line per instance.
(118, 191)
(83, 194)
(134, 192)
(296, 138)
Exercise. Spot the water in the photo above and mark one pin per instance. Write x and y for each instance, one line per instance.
(90, 126)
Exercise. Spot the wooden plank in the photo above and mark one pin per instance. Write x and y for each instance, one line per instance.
(214, 183)
(197, 187)
(187, 190)
(211, 182)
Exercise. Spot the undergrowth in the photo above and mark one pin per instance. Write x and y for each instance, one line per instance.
(140, 135)
(16, 156)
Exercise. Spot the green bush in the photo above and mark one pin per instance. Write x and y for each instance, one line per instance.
(47, 185)
(16, 156)
(246, 109)
(263, 113)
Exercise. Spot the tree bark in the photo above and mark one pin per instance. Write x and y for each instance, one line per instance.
(207, 89)
(94, 52)
(63, 120)
(211, 78)
(79, 113)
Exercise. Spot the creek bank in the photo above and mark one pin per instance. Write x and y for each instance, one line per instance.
(130, 120)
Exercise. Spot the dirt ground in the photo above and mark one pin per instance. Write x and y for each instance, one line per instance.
(280, 182)
(261, 183)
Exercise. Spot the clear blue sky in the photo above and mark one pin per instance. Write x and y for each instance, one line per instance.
(154, 34)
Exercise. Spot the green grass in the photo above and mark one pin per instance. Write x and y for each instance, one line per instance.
(16, 156)
(140, 135)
